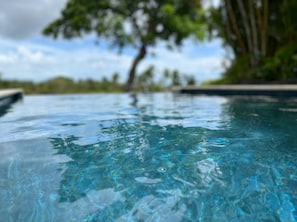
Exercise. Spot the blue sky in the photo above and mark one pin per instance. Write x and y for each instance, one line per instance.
(27, 55)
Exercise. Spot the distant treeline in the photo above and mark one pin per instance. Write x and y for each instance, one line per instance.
(145, 82)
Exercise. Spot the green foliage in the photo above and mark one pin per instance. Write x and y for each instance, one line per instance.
(146, 82)
(62, 85)
(173, 78)
(135, 23)
(263, 42)
(190, 80)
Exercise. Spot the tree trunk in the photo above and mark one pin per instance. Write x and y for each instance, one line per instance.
(132, 73)
(264, 39)
(226, 22)
(234, 25)
(254, 32)
(247, 31)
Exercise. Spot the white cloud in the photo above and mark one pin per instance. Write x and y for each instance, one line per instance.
(31, 56)
(24, 54)
(8, 59)
(39, 62)
(23, 19)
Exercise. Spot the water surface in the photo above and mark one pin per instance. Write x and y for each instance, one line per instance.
(153, 157)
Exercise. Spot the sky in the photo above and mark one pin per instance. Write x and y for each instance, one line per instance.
(25, 54)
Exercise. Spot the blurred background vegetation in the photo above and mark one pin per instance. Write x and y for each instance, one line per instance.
(145, 82)
(259, 36)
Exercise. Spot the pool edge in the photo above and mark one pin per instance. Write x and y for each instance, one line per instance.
(9, 96)
(284, 91)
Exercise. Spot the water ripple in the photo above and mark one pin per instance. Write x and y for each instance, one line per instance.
(152, 157)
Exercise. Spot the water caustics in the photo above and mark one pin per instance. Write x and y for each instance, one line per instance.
(152, 157)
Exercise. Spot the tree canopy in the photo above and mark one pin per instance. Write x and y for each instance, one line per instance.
(262, 36)
(136, 23)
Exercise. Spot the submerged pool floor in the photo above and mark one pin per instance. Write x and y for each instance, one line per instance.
(153, 157)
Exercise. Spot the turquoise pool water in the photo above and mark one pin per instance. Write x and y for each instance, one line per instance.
(154, 157)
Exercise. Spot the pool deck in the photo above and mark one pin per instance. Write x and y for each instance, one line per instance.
(9, 96)
(241, 90)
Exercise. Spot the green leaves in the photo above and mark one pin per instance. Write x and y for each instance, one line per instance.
(262, 41)
(131, 22)
(168, 9)
(178, 19)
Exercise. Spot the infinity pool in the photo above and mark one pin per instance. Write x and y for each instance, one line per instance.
(154, 157)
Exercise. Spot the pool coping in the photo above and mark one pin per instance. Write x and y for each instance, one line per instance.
(9, 96)
(288, 90)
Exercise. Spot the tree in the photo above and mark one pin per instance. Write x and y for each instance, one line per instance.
(190, 80)
(136, 23)
(176, 78)
(173, 78)
(115, 78)
(146, 79)
(261, 35)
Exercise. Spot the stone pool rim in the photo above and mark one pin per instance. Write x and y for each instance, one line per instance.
(9, 96)
(285, 91)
